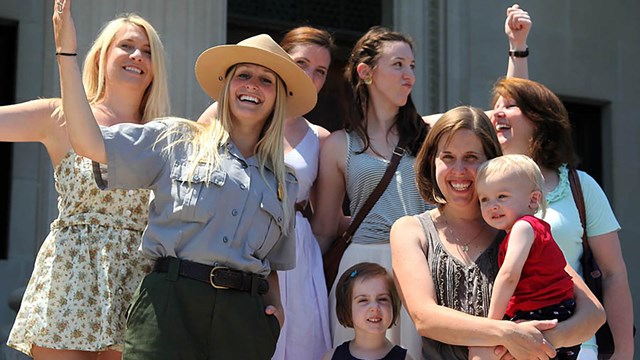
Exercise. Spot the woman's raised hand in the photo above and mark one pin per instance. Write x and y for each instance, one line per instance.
(64, 29)
(517, 27)
(84, 133)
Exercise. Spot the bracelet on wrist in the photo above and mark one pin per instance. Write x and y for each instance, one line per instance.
(519, 54)
(60, 53)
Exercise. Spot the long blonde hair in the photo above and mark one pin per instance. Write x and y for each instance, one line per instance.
(156, 98)
(204, 141)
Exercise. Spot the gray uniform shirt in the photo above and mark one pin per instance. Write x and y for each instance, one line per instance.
(234, 220)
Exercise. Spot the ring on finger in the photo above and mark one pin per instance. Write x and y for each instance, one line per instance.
(60, 7)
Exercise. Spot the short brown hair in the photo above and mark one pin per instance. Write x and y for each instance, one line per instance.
(551, 144)
(462, 117)
(344, 290)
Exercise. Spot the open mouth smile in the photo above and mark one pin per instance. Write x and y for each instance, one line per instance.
(248, 98)
(133, 69)
(460, 186)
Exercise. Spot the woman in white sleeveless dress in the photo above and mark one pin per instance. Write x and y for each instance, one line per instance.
(305, 334)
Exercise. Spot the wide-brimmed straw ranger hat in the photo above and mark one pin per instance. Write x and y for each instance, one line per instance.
(212, 66)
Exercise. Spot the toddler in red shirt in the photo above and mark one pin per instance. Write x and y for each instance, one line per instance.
(532, 283)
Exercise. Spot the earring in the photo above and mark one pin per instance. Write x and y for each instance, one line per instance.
(368, 80)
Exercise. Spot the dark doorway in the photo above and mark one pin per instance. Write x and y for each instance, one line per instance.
(8, 61)
(586, 128)
(345, 20)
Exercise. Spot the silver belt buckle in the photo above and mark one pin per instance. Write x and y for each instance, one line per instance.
(212, 275)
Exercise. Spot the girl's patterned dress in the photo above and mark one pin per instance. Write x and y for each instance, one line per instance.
(88, 267)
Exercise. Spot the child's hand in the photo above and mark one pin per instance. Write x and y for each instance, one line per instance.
(487, 353)
(526, 341)
(502, 353)
(278, 313)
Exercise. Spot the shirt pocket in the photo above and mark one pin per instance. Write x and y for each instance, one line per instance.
(273, 215)
(194, 193)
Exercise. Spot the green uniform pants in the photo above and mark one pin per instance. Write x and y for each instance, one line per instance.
(174, 317)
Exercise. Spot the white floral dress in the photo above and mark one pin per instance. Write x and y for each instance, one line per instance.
(87, 268)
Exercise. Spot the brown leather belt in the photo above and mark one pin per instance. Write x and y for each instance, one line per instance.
(217, 276)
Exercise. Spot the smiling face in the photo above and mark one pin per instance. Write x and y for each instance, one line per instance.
(504, 198)
(393, 74)
(513, 128)
(314, 60)
(129, 58)
(252, 94)
(456, 163)
(371, 306)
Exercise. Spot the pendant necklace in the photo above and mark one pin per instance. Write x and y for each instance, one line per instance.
(463, 246)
